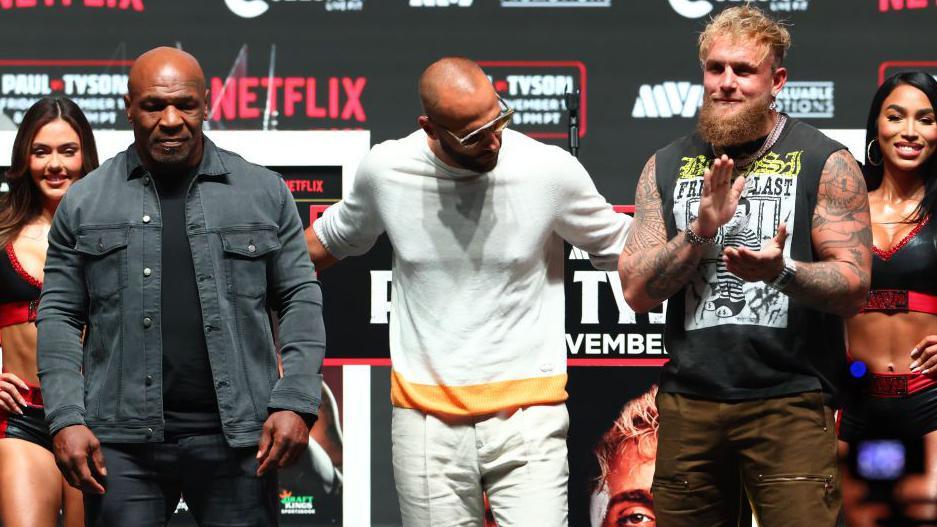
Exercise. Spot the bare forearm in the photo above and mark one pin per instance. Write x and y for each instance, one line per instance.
(833, 287)
(650, 276)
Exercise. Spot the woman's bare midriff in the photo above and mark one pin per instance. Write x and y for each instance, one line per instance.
(884, 341)
(19, 351)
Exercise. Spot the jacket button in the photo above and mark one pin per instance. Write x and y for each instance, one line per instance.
(208, 329)
(149, 433)
(251, 248)
(146, 218)
(146, 180)
(147, 271)
(149, 380)
(147, 322)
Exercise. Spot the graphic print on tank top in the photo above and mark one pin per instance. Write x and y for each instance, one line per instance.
(714, 296)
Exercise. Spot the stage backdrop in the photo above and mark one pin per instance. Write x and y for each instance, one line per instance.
(278, 65)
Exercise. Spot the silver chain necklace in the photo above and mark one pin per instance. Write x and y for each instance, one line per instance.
(769, 142)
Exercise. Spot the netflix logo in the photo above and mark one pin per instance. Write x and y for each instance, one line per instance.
(313, 101)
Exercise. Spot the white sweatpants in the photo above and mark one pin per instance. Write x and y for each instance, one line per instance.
(519, 459)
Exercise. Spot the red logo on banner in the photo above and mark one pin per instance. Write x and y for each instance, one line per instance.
(890, 67)
(898, 5)
(537, 92)
(136, 5)
(336, 98)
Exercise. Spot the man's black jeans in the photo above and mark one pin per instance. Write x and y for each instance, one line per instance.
(144, 482)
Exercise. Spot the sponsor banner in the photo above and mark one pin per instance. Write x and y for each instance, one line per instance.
(600, 326)
(885, 6)
(682, 99)
(701, 8)
(556, 3)
(294, 102)
(97, 86)
(807, 99)
(890, 67)
(255, 8)
(238, 101)
(537, 92)
(121, 5)
(313, 187)
(667, 99)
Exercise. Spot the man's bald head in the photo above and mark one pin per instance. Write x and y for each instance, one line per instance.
(458, 101)
(161, 62)
(453, 88)
(166, 105)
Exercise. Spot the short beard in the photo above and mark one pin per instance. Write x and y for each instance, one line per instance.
(466, 161)
(742, 126)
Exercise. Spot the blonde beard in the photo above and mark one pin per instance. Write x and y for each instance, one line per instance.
(745, 125)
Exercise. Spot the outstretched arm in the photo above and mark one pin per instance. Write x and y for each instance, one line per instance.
(652, 268)
(841, 235)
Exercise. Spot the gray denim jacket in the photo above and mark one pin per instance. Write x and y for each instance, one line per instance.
(103, 277)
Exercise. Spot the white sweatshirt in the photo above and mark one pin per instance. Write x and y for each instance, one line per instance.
(477, 301)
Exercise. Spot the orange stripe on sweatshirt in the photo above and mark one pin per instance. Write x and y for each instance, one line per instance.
(476, 399)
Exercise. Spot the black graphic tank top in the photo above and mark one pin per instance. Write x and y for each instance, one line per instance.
(729, 339)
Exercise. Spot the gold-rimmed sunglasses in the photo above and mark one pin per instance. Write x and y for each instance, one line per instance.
(495, 126)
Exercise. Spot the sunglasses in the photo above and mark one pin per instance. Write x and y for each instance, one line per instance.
(495, 126)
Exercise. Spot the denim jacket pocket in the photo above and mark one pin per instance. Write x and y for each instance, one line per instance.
(105, 252)
(245, 254)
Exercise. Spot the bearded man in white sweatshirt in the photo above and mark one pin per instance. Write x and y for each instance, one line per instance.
(476, 214)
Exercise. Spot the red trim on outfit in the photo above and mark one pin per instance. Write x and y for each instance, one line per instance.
(13, 313)
(900, 301)
(886, 255)
(18, 267)
(888, 385)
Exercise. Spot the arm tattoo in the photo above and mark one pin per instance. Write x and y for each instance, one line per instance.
(648, 229)
(654, 267)
(842, 239)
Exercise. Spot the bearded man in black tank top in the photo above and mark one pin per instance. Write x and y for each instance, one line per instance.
(745, 400)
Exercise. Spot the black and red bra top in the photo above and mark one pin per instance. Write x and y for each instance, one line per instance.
(904, 278)
(19, 291)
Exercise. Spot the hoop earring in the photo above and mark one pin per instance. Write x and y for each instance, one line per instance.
(773, 106)
(868, 154)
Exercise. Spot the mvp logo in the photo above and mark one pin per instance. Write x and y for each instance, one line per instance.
(668, 99)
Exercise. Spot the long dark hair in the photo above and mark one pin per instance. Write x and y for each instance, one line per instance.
(23, 202)
(874, 174)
